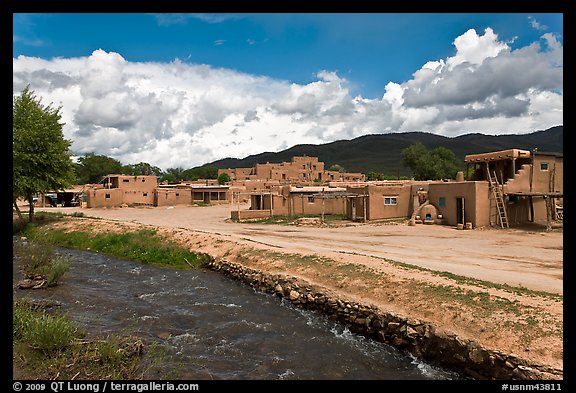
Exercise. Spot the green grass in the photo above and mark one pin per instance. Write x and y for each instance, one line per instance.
(49, 346)
(40, 260)
(144, 245)
(41, 331)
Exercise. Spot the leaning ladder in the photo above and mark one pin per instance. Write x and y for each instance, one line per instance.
(499, 198)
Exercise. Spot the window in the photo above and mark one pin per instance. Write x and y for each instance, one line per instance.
(390, 200)
(107, 196)
(441, 202)
(543, 166)
(144, 194)
(125, 180)
(310, 199)
(143, 180)
(177, 194)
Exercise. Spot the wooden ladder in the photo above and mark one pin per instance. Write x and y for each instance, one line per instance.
(499, 198)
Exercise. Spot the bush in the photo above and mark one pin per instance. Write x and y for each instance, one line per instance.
(56, 270)
(40, 260)
(44, 332)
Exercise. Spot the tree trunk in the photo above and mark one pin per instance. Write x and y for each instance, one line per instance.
(18, 210)
(31, 203)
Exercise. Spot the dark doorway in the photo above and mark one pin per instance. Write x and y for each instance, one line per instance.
(460, 210)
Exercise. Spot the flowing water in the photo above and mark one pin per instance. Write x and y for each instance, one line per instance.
(207, 326)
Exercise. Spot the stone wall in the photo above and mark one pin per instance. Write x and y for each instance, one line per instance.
(414, 336)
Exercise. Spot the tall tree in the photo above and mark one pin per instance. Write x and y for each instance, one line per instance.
(92, 168)
(141, 169)
(172, 174)
(438, 163)
(40, 154)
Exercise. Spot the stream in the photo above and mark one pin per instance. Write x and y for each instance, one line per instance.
(208, 326)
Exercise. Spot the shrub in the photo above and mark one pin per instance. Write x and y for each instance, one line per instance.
(41, 260)
(42, 331)
(56, 270)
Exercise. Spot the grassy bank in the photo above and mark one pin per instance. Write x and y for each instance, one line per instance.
(144, 245)
(47, 346)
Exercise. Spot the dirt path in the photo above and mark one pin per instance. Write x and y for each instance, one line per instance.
(530, 259)
(369, 268)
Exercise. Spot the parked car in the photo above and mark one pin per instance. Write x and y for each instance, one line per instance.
(51, 200)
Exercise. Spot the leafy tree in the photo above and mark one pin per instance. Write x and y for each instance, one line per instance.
(201, 172)
(374, 176)
(438, 163)
(40, 154)
(92, 168)
(223, 178)
(141, 169)
(172, 174)
(337, 168)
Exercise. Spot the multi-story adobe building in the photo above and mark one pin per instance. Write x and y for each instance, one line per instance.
(117, 190)
(508, 187)
(299, 169)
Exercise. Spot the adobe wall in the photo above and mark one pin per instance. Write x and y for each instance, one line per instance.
(408, 334)
(133, 197)
(540, 177)
(519, 210)
(138, 183)
(171, 197)
(241, 215)
(300, 205)
(376, 209)
(104, 197)
(476, 201)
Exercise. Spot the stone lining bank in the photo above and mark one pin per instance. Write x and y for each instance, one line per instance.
(417, 337)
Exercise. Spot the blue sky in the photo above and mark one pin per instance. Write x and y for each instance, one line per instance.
(264, 82)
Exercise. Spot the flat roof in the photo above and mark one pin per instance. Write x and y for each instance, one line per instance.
(555, 194)
(316, 189)
(497, 155)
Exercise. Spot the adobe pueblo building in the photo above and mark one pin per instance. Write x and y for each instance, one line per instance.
(299, 169)
(125, 190)
(509, 187)
(504, 188)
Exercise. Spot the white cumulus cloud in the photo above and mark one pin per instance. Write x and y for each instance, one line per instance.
(183, 115)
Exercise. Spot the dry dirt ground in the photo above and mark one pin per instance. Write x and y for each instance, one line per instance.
(414, 271)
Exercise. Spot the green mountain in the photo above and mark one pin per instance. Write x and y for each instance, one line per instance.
(382, 152)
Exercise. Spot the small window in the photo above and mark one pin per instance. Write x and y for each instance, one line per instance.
(543, 166)
(125, 180)
(441, 202)
(390, 200)
(177, 194)
(310, 199)
(143, 180)
(107, 196)
(145, 194)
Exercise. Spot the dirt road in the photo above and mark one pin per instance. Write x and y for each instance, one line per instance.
(518, 257)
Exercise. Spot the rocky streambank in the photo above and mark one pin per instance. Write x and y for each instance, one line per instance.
(415, 336)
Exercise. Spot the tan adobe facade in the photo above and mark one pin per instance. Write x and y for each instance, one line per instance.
(531, 182)
(118, 190)
(293, 200)
(299, 169)
(522, 187)
(115, 190)
(190, 193)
